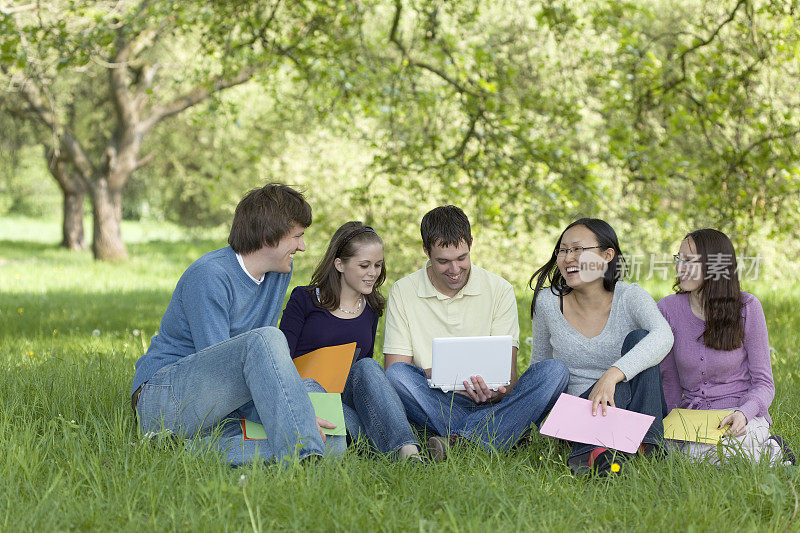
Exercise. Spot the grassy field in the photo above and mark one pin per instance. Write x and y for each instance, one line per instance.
(71, 330)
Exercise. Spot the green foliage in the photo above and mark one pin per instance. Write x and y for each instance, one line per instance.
(658, 116)
(702, 119)
(22, 190)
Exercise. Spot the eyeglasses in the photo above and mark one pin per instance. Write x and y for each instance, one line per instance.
(692, 259)
(562, 252)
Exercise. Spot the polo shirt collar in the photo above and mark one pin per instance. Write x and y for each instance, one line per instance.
(425, 289)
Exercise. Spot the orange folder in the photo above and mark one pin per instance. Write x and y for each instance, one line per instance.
(330, 365)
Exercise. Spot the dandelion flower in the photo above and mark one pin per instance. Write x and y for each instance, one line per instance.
(96, 333)
(20, 310)
(615, 467)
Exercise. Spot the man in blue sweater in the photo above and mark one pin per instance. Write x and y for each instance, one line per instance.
(218, 355)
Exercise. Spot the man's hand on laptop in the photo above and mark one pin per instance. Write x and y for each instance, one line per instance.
(479, 392)
(322, 423)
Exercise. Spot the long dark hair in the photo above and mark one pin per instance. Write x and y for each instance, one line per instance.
(719, 292)
(344, 245)
(549, 273)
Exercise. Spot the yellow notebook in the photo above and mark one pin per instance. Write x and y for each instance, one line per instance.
(695, 425)
(330, 366)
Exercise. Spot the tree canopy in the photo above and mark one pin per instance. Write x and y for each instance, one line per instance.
(665, 112)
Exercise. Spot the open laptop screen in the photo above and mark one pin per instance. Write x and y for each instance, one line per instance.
(455, 359)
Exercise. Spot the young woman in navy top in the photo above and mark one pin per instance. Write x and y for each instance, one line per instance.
(341, 305)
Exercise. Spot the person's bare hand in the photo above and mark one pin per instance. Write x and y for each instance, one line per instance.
(479, 392)
(603, 391)
(737, 422)
(322, 423)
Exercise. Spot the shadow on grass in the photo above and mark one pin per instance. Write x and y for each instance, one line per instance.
(36, 314)
(174, 251)
(26, 250)
(11, 250)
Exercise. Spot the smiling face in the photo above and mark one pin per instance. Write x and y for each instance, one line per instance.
(450, 267)
(361, 271)
(587, 267)
(689, 268)
(279, 258)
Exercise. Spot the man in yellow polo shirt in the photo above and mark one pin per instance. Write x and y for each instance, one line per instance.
(450, 297)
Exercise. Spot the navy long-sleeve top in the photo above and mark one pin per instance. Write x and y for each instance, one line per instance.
(308, 327)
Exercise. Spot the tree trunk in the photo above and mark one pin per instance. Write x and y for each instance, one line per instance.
(73, 236)
(74, 191)
(107, 242)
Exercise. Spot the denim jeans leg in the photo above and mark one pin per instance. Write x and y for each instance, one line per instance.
(202, 389)
(502, 424)
(433, 409)
(642, 394)
(647, 397)
(379, 409)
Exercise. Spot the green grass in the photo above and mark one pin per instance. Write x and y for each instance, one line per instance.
(71, 330)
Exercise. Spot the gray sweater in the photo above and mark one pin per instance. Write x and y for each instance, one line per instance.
(587, 358)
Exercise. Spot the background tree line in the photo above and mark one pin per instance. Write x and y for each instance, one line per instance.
(658, 114)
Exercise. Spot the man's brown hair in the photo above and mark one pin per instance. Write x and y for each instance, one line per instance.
(265, 215)
(446, 225)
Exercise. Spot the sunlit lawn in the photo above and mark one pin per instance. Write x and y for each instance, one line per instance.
(71, 329)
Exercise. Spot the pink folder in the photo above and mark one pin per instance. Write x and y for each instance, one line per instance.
(571, 419)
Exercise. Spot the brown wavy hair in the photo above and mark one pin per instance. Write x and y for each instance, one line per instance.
(265, 215)
(344, 245)
(720, 292)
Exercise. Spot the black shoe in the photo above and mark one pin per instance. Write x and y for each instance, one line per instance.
(651, 450)
(608, 463)
(788, 454)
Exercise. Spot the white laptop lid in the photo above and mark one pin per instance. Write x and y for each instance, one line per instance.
(455, 359)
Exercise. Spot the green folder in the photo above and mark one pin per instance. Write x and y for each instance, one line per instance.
(327, 405)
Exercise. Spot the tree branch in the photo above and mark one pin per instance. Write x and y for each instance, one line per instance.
(195, 96)
(32, 94)
(393, 38)
(703, 42)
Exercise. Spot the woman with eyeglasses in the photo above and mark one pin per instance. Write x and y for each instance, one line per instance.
(341, 305)
(720, 359)
(609, 333)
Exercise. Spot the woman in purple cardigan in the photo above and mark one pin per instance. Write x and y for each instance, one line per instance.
(720, 358)
(342, 305)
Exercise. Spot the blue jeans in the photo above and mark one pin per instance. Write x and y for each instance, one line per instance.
(250, 375)
(642, 394)
(499, 425)
(373, 410)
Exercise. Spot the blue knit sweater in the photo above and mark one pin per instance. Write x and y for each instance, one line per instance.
(214, 300)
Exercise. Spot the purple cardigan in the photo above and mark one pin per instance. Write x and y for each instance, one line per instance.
(308, 327)
(698, 377)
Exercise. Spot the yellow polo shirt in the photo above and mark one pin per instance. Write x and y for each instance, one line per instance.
(416, 313)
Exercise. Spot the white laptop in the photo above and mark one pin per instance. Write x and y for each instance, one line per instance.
(455, 359)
